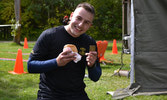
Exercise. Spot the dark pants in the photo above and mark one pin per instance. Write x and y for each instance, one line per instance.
(64, 98)
(78, 96)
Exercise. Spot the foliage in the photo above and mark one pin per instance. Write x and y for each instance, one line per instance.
(13, 33)
(108, 20)
(38, 15)
(7, 10)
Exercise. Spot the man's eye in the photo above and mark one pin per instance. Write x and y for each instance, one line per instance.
(87, 22)
(78, 18)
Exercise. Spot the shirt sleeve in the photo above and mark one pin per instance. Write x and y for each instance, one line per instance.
(38, 61)
(35, 66)
(95, 72)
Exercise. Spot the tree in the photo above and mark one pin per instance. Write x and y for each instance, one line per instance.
(11, 10)
(17, 7)
(38, 15)
(6, 11)
(108, 19)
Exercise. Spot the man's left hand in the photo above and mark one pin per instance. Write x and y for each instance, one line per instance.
(91, 58)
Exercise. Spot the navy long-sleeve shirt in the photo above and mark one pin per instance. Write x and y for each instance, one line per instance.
(56, 80)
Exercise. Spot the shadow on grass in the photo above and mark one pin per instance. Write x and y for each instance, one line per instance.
(110, 65)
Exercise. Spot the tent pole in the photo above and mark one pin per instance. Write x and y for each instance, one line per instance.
(132, 44)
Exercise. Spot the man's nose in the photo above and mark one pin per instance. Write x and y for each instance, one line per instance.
(81, 23)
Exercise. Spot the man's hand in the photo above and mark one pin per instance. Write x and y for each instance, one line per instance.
(65, 57)
(91, 58)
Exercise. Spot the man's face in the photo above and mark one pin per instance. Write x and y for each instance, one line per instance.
(81, 20)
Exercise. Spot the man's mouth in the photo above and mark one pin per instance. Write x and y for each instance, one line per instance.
(77, 28)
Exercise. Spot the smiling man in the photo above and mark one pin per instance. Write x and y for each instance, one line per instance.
(61, 78)
(81, 20)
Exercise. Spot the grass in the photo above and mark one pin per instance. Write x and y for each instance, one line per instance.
(25, 86)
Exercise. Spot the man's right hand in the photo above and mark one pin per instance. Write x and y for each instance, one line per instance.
(65, 57)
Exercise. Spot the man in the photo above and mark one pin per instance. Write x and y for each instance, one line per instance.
(60, 77)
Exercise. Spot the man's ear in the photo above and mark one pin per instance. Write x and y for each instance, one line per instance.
(71, 15)
(91, 24)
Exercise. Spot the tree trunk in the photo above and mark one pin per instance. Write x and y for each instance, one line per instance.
(16, 38)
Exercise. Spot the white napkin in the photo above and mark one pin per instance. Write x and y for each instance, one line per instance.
(78, 57)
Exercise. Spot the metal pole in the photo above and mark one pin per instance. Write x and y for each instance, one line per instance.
(132, 44)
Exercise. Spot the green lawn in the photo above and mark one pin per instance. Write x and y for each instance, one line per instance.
(25, 86)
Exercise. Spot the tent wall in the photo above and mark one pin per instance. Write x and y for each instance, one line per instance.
(150, 51)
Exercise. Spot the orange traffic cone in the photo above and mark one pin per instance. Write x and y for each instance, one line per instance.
(105, 44)
(18, 69)
(99, 49)
(25, 43)
(114, 48)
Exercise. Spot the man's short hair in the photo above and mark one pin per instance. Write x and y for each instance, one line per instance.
(88, 7)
